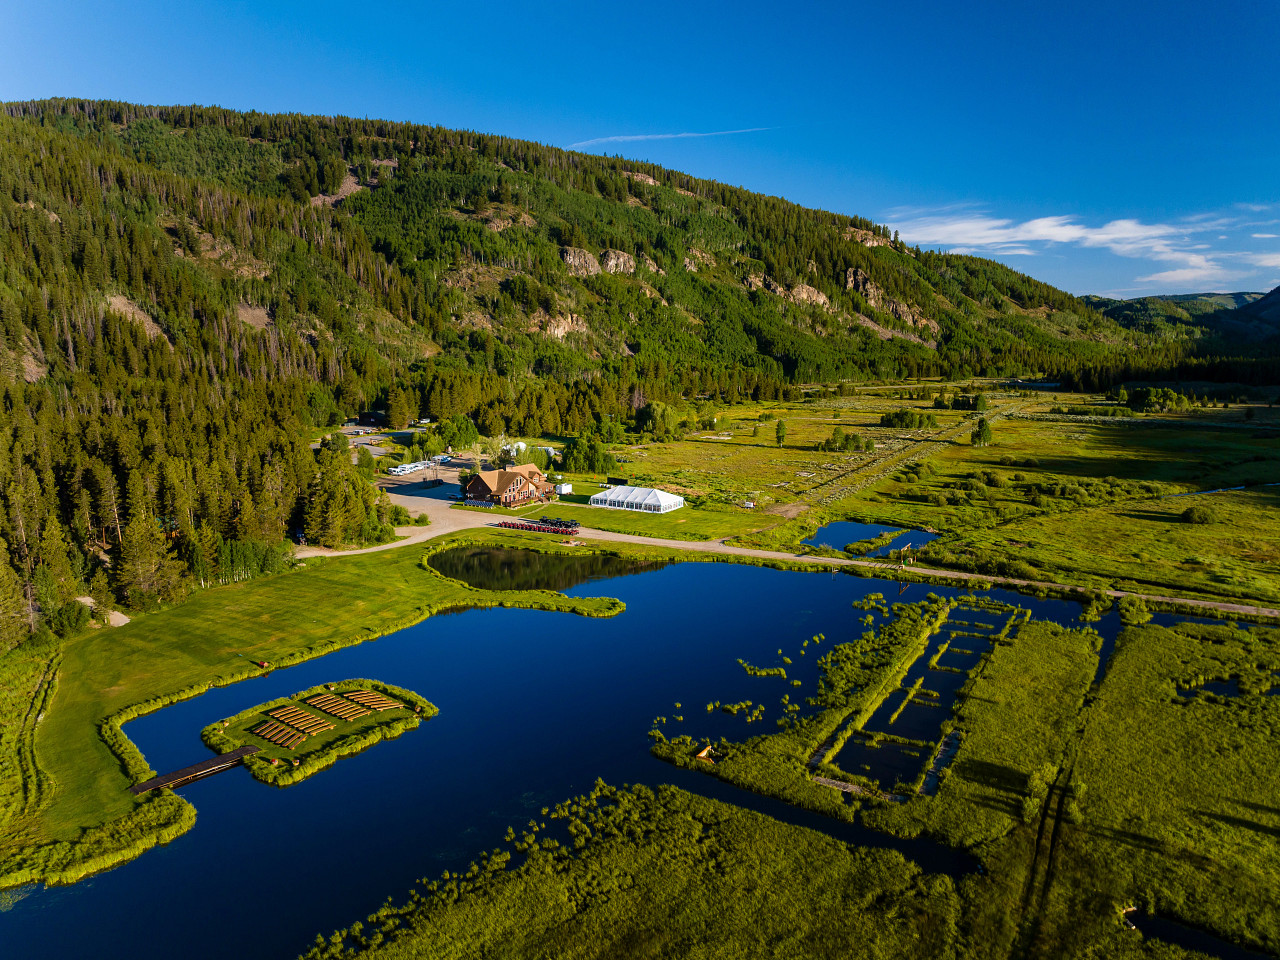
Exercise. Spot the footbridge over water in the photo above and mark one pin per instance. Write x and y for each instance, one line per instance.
(197, 770)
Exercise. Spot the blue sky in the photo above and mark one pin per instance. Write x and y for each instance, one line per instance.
(1106, 148)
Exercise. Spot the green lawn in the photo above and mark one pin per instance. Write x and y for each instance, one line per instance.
(687, 523)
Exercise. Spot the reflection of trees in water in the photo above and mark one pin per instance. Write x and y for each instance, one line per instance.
(500, 568)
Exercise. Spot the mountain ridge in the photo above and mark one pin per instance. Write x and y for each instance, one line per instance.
(473, 229)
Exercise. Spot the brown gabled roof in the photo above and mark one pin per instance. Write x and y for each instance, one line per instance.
(498, 482)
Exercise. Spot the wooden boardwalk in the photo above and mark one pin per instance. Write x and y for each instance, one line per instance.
(197, 770)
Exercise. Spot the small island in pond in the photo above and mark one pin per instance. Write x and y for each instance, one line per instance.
(309, 731)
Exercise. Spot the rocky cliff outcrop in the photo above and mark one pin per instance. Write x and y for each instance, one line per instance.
(866, 237)
(561, 326)
(803, 293)
(857, 280)
(615, 261)
(580, 262)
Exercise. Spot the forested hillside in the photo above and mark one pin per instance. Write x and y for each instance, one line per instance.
(1220, 321)
(189, 296)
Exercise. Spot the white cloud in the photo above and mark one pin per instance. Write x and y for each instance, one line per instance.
(1130, 238)
(1265, 236)
(1179, 247)
(1193, 274)
(632, 138)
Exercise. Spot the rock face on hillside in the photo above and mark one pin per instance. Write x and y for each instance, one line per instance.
(803, 293)
(615, 261)
(580, 262)
(698, 258)
(560, 327)
(858, 281)
(867, 238)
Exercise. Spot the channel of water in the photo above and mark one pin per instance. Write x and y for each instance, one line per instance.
(840, 534)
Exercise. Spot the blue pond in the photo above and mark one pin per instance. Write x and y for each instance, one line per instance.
(534, 706)
(838, 535)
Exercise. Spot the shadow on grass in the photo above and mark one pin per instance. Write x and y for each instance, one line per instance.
(1128, 838)
(1260, 807)
(1241, 822)
(1151, 516)
(1009, 808)
(994, 776)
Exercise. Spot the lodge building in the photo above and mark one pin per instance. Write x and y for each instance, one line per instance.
(510, 487)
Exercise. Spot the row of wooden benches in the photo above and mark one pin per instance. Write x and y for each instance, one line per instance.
(337, 707)
(292, 725)
(282, 735)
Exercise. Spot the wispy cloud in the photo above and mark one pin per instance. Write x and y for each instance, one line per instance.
(634, 137)
(1265, 236)
(1179, 246)
(1199, 271)
(979, 231)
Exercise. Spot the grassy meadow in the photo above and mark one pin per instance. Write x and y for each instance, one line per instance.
(1088, 501)
(1155, 788)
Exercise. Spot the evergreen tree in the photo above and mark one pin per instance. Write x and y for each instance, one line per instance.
(13, 604)
(781, 432)
(147, 572)
(398, 411)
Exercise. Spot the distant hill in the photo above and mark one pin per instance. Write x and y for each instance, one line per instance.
(1265, 308)
(1222, 321)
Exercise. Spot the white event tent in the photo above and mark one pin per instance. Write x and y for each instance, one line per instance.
(645, 499)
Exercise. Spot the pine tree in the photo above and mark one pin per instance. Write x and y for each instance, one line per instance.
(13, 604)
(146, 571)
(56, 558)
(781, 432)
(397, 409)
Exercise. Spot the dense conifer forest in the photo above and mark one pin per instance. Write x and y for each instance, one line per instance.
(190, 296)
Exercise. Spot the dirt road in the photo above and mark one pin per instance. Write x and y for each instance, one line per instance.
(446, 520)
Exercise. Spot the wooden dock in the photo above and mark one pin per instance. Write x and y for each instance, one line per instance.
(197, 770)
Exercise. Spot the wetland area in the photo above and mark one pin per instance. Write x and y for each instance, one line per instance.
(535, 707)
